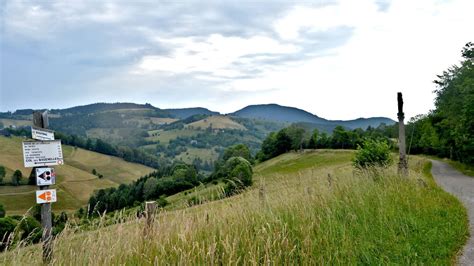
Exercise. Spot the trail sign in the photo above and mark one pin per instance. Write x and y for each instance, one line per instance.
(45, 176)
(45, 196)
(42, 134)
(42, 153)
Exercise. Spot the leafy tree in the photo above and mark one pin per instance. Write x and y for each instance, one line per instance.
(268, 148)
(373, 153)
(298, 136)
(16, 177)
(240, 150)
(2, 212)
(283, 142)
(238, 172)
(149, 188)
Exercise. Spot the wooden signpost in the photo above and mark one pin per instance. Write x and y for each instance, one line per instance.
(37, 154)
(403, 163)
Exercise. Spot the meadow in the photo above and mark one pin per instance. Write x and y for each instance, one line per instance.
(315, 210)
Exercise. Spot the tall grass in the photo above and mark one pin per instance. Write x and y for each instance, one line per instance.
(321, 215)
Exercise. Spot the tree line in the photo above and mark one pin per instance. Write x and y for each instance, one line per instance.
(448, 130)
(296, 137)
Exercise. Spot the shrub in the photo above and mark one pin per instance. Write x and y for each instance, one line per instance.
(7, 225)
(239, 170)
(238, 173)
(373, 153)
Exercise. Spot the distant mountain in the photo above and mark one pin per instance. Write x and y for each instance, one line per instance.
(278, 113)
(183, 113)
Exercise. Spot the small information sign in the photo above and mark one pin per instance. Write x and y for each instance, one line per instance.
(42, 153)
(42, 134)
(45, 176)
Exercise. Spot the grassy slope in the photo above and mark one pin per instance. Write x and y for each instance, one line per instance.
(75, 179)
(304, 217)
(217, 122)
(165, 136)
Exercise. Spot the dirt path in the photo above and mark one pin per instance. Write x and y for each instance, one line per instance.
(461, 186)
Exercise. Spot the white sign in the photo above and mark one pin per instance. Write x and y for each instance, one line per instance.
(45, 196)
(42, 134)
(45, 176)
(42, 153)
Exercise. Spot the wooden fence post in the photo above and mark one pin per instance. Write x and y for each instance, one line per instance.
(150, 210)
(402, 164)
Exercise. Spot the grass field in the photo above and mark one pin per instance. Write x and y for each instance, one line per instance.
(75, 181)
(165, 136)
(292, 215)
(217, 122)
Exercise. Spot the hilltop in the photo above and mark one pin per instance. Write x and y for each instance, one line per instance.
(278, 113)
(75, 181)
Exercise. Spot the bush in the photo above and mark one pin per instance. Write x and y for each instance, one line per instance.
(7, 225)
(238, 173)
(373, 153)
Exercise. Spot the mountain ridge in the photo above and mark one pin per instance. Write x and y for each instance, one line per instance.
(270, 112)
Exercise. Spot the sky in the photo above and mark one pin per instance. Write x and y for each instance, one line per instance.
(337, 59)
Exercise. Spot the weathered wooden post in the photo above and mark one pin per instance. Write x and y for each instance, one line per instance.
(402, 164)
(150, 209)
(44, 177)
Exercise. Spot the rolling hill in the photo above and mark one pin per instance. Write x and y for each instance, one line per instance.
(75, 181)
(275, 112)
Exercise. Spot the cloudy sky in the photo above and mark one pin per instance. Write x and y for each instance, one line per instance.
(336, 59)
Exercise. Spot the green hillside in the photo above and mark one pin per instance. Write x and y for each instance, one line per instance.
(304, 208)
(75, 181)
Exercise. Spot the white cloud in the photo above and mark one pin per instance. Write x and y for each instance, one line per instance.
(215, 54)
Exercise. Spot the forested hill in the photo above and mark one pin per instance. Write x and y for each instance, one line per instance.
(183, 113)
(102, 107)
(275, 112)
(278, 113)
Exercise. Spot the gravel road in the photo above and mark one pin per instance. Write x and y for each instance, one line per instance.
(461, 186)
